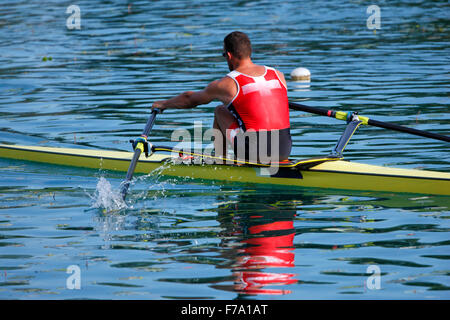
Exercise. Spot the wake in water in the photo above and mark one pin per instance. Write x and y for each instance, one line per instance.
(106, 198)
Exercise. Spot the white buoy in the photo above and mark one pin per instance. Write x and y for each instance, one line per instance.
(300, 74)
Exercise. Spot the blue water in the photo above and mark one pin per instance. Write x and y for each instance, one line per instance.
(92, 88)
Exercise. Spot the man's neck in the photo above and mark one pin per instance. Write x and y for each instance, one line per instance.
(243, 64)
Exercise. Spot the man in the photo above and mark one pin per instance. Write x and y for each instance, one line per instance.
(254, 116)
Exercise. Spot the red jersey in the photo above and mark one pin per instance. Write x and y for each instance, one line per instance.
(261, 103)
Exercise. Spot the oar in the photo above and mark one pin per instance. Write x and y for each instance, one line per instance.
(342, 115)
(138, 149)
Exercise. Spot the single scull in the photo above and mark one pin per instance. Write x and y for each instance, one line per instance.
(323, 172)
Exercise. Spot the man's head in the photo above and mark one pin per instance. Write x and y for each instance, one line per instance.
(236, 45)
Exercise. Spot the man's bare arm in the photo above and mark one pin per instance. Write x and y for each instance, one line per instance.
(222, 90)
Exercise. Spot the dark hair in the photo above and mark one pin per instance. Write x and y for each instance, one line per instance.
(238, 44)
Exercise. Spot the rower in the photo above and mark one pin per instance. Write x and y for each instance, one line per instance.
(254, 114)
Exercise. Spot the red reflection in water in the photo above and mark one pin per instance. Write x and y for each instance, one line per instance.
(268, 246)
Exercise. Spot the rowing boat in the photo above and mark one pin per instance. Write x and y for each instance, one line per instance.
(326, 172)
(323, 172)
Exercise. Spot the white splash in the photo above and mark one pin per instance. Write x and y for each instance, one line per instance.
(106, 198)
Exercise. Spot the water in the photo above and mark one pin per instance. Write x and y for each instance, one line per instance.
(92, 88)
(106, 197)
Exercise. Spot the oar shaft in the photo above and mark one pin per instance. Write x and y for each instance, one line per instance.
(416, 132)
(150, 122)
(137, 154)
(130, 172)
(372, 122)
(315, 110)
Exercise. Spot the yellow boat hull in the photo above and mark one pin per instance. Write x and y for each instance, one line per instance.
(336, 174)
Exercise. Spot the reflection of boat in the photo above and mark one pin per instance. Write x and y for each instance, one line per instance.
(326, 172)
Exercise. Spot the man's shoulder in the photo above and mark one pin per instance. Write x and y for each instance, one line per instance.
(279, 74)
(224, 81)
(225, 84)
(274, 69)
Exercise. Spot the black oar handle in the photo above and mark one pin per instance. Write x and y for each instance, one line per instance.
(375, 123)
(137, 154)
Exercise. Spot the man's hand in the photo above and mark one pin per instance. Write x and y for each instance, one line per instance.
(159, 105)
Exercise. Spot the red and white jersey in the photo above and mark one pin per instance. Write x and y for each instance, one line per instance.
(261, 103)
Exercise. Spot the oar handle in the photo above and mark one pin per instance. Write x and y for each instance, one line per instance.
(341, 115)
(137, 153)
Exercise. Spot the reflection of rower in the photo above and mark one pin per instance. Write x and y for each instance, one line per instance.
(267, 245)
(265, 233)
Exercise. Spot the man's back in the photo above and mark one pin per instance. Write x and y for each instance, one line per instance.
(261, 101)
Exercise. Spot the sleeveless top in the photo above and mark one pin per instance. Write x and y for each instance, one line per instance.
(261, 103)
